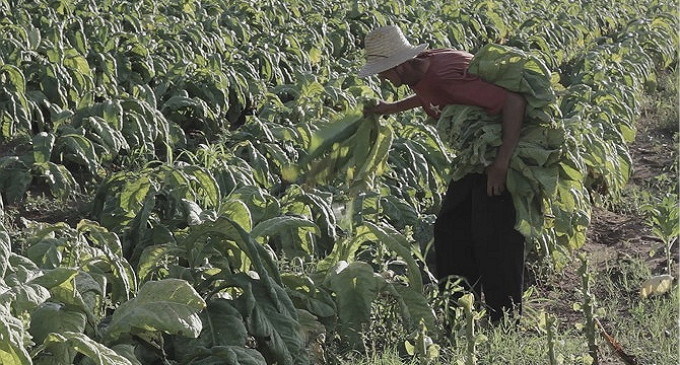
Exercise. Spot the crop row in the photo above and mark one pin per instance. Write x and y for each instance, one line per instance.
(182, 119)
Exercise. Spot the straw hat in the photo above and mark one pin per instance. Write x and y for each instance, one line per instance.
(385, 48)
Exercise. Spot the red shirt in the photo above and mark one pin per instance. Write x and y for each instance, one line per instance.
(447, 82)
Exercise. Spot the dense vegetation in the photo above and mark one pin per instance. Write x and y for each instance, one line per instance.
(184, 132)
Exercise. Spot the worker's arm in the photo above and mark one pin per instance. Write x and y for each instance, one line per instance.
(513, 117)
(384, 107)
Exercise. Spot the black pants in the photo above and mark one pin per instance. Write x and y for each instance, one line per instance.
(474, 238)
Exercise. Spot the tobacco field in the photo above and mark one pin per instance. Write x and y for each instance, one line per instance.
(195, 182)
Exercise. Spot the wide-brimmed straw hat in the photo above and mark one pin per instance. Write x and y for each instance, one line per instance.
(385, 48)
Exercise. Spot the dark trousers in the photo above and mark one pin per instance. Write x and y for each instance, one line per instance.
(474, 238)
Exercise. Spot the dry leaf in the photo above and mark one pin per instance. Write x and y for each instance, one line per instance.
(656, 285)
(615, 346)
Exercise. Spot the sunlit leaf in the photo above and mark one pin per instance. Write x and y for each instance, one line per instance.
(169, 306)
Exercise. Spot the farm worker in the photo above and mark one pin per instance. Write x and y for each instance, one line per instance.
(474, 235)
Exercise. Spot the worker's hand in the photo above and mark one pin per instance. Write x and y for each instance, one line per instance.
(381, 107)
(496, 174)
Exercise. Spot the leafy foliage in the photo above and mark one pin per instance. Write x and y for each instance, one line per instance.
(220, 139)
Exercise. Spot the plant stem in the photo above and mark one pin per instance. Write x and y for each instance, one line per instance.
(588, 306)
(467, 302)
(551, 328)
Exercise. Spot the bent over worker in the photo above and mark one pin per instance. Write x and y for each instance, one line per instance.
(474, 235)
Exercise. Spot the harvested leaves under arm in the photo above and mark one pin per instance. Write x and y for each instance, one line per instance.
(543, 178)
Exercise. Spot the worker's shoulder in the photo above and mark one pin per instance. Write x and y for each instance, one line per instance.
(445, 53)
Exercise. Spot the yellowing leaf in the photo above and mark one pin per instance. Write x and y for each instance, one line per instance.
(290, 173)
(314, 55)
(656, 285)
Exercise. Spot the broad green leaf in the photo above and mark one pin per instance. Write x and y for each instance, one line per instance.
(128, 352)
(20, 270)
(5, 250)
(345, 250)
(54, 317)
(100, 237)
(152, 258)
(295, 233)
(274, 225)
(76, 62)
(105, 134)
(205, 185)
(179, 102)
(237, 211)
(42, 147)
(193, 212)
(78, 149)
(79, 41)
(43, 231)
(92, 288)
(362, 143)
(570, 172)
(55, 277)
(135, 130)
(299, 202)
(313, 331)
(14, 335)
(225, 228)
(223, 325)
(355, 287)
(335, 132)
(112, 112)
(372, 163)
(24, 298)
(309, 296)
(261, 205)
(396, 242)
(61, 181)
(271, 318)
(169, 306)
(33, 37)
(135, 193)
(277, 154)
(80, 293)
(258, 163)
(48, 253)
(14, 181)
(100, 354)
(414, 307)
(11, 75)
(228, 355)
(139, 225)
